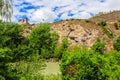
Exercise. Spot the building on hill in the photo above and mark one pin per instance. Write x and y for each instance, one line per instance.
(23, 21)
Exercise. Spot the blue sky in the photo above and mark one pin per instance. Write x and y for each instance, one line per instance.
(54, 10)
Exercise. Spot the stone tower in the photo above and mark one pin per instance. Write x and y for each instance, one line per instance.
(23, 21)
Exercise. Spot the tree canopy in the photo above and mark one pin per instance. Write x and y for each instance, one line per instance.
(6, 10)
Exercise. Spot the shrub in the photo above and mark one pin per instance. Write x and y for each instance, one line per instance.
(83, 64)
(87, 21)
(26, 70)
(108, 33)
(98, 47)
(65, 44)
(60, 49)
(114, 61)
(54, 41)
(102, 23)
(116, 26)
(5, 59)
(116, 44)
(22, 52)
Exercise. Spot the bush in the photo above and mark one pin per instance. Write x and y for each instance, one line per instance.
(60, 49)
(98, 47)
(65, 44)
(116, 44)
(22, 52)
(87, 21)
(108, 33)
(5, 59)
(116, 26)
(26, 70)
(102, 23)
(83, 64)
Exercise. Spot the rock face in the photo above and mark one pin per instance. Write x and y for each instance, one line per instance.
(81, 32)
(77, 34)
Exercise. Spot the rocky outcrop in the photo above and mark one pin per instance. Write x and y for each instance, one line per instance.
(77, 34)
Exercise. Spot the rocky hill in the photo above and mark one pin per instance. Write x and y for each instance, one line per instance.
(113, 16)
(84, 32)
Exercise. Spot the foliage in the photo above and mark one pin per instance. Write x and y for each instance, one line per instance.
(53, 77)
(10, 38)
(114, 61)
(83, 64)
(116, 44)
(98, 47)
(43, 41)
(6, 9)
(60, 49)
(87, 21)
(116, 26)
(102, 24)
(40, 36)
(54, 41)
(10, 35)
(108, 33)
(26, 70)
(64, 43)
(13, 47)
(22, 52)
(5, 58)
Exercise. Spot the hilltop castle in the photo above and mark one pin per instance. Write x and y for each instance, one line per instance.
(23, 21)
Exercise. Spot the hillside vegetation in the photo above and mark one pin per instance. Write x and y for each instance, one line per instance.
(85, 49)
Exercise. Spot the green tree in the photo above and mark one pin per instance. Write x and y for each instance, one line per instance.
(60, 49)
(40, 36)
(6, 9)
(10, 35)
(43, 40)
(116, 44)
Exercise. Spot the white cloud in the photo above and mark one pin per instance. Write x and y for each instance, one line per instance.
(45, 14)
(42, 15)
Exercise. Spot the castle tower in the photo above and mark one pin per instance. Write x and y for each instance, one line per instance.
(23, 21)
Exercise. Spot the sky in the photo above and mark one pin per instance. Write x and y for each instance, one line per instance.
(37, 11)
